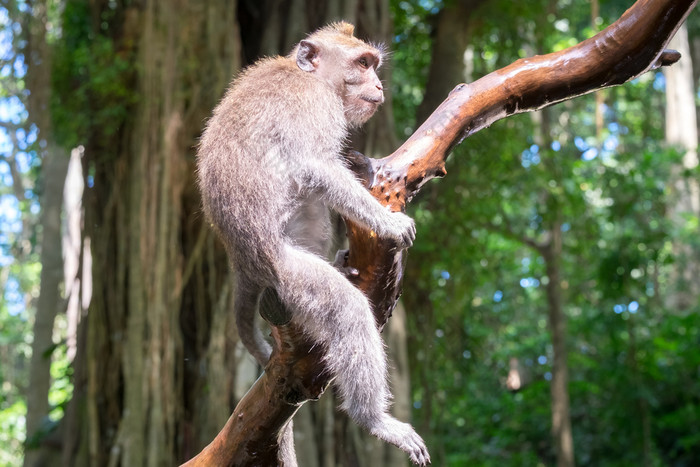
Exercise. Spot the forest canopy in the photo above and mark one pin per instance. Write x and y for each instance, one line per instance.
(572, 227)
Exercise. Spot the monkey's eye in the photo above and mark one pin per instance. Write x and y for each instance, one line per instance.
(364, 63)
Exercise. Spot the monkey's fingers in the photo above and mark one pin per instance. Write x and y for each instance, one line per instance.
(409, 235)
(402, 229)
(413, 232)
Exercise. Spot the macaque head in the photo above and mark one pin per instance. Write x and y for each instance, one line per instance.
(348, 65)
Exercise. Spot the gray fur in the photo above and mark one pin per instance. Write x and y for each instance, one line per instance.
(269, 163)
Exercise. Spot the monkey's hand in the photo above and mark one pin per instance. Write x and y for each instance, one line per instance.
(400, 228)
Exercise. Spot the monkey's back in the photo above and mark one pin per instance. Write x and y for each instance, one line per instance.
(252, 154)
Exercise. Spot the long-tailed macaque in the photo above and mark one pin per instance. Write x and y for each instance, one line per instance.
(273, 147)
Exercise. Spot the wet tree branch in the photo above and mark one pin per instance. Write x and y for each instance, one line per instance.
(631, 46)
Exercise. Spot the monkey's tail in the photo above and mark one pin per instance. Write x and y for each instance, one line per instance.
(245, 306)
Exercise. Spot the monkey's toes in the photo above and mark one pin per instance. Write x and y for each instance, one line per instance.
(418, 452)
(404, 437)
(341, 264)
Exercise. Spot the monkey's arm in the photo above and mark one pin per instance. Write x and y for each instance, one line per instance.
(340, 189)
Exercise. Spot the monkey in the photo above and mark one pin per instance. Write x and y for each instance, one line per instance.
(273, 148)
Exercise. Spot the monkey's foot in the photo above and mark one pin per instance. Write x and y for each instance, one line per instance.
(403, 436)
(341, 264)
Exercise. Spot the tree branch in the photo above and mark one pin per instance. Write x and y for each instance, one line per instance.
(631, 46)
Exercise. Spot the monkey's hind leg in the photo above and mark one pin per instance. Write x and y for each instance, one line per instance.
(246, 299)
(336, 314)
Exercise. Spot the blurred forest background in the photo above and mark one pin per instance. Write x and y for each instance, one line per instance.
(550, 313)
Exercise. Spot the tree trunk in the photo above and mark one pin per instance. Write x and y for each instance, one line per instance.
(451, 38)
(54, 168)
(559, 386)
(160, 309)
(552, 252)
(681, 132)
(54, 163)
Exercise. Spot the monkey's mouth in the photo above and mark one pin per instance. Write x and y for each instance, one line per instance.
(373, 100)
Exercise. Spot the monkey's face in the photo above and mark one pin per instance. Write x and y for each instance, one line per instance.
(363, 92)
(349, 66)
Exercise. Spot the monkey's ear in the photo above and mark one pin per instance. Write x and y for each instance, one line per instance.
(307, 56)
